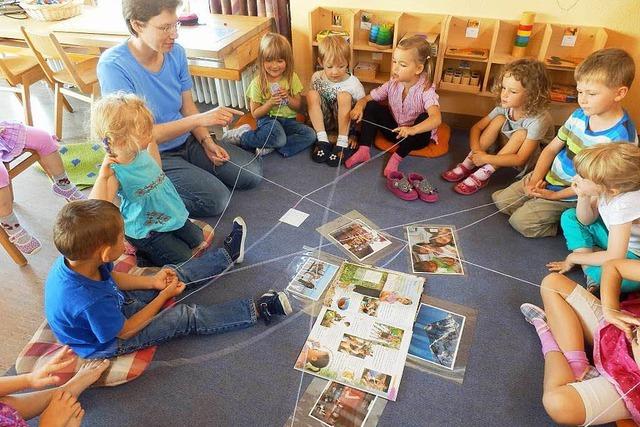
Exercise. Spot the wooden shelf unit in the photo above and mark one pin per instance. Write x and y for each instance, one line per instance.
(494, 35)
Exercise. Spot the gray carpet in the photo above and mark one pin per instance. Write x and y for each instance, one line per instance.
(247, 378)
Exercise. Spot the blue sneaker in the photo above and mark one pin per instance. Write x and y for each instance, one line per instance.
(234, 243)
(273, 303)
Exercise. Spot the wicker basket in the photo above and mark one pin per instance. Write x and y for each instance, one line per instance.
(53, 12)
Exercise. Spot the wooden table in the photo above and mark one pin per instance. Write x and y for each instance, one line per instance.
(221, 48)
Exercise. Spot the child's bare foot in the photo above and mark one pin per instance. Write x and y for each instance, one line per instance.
(88, 374)
(76, 418)
(62, 406)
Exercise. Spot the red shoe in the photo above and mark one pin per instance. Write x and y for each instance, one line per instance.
(451, 176)
(399, 185)
(467, 190)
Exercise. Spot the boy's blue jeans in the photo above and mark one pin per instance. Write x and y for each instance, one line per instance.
(287, 136)
(180, 320)
(593, 235)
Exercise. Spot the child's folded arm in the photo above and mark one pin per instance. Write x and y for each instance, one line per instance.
(430, 123)
(613, 272)
(543, 165)
(476, 131)
(618, 243)
(129, 282)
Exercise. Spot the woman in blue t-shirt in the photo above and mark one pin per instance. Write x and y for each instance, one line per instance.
(153, 66)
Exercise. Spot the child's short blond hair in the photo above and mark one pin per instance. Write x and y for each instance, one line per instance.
(334, 50)
(122, 120)
(84, 226)
(616, 166)
(612, 67)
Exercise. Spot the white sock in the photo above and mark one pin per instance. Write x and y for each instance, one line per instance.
(343, 141)
(467, 163)
(10, 223)
(322, 136)
(485, 172)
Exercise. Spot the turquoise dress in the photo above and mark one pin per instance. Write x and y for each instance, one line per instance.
(150, 202)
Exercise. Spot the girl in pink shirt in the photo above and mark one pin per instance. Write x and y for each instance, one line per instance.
(413, 113)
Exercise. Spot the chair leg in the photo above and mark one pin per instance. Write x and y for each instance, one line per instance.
(13, 252)
(26, 103)
(58, 106)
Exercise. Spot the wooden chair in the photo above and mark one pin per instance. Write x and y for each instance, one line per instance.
(79, 70)
(20, 71)
(20, 164)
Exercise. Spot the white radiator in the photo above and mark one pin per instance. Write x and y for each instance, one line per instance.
(226, 93)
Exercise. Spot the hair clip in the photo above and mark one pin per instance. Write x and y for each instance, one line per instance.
(107, 146)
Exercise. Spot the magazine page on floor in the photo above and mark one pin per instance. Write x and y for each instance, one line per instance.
(361, 336)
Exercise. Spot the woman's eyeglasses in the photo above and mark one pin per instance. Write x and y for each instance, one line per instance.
(169, 28)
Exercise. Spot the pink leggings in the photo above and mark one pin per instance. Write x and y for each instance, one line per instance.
(38, 140)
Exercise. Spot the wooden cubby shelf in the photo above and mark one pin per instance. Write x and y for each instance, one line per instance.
(494, 36)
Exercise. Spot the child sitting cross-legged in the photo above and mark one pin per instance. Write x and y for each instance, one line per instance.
(604, 224)
(101, 313)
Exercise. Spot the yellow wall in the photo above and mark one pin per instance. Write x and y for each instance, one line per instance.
(619, 17)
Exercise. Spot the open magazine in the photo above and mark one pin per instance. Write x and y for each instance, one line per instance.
(361, 336)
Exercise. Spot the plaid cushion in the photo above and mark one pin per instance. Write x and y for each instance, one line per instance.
(44, 345)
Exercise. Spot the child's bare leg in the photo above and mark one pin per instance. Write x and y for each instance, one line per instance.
(315, 111)
(562, 319)
(6, 204)
(344, 119)
(52, 164)
(32, 404)
(490, 134)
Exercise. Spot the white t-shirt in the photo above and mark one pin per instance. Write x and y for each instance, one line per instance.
(329, 89)
(621, 210)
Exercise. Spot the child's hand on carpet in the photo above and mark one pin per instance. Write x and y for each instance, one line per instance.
(560, 266)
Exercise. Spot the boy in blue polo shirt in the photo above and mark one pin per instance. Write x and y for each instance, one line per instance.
(101, 313)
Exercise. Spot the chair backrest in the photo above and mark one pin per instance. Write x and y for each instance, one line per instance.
(14, 59)
(46, 45)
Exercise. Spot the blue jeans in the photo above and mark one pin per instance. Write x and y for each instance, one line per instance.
(288, 136)
(169, 247)
(593, 235)
(180, 320)
(202, 186)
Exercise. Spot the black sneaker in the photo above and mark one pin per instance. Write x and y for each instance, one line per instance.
(273, 303)
(321, 152)
(234, 243)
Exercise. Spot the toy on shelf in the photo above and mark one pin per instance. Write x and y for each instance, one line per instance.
(568, 62)
(523, 35)
(563, 93)
(461, 80)
(381, 36)
(476, 53)
(326, 33)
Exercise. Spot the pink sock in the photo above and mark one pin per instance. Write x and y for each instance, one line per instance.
(392, 164)
(578, 361)
(360, 156)
(546, 337)
(483, 174)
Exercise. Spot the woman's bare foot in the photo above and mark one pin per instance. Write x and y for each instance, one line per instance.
(76, 418)
(62, 406)
(88, 374)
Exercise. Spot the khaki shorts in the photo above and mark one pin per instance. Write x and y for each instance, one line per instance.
(602, 402)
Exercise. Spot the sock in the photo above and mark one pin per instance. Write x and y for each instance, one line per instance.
(467, 163)
(578, 361)
(483, 174)
(362, 155)
(11, 224)
(546, 338)
(392, 164)
(343, 141)
(322, 136)
(63, 181)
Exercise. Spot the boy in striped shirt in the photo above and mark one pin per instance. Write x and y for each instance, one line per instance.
(535, 203)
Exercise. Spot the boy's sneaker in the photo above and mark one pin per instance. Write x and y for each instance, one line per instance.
(273, 303)
(321, 152)
(264, 151)
(70, 194)
(232, 136)
(234, 243)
